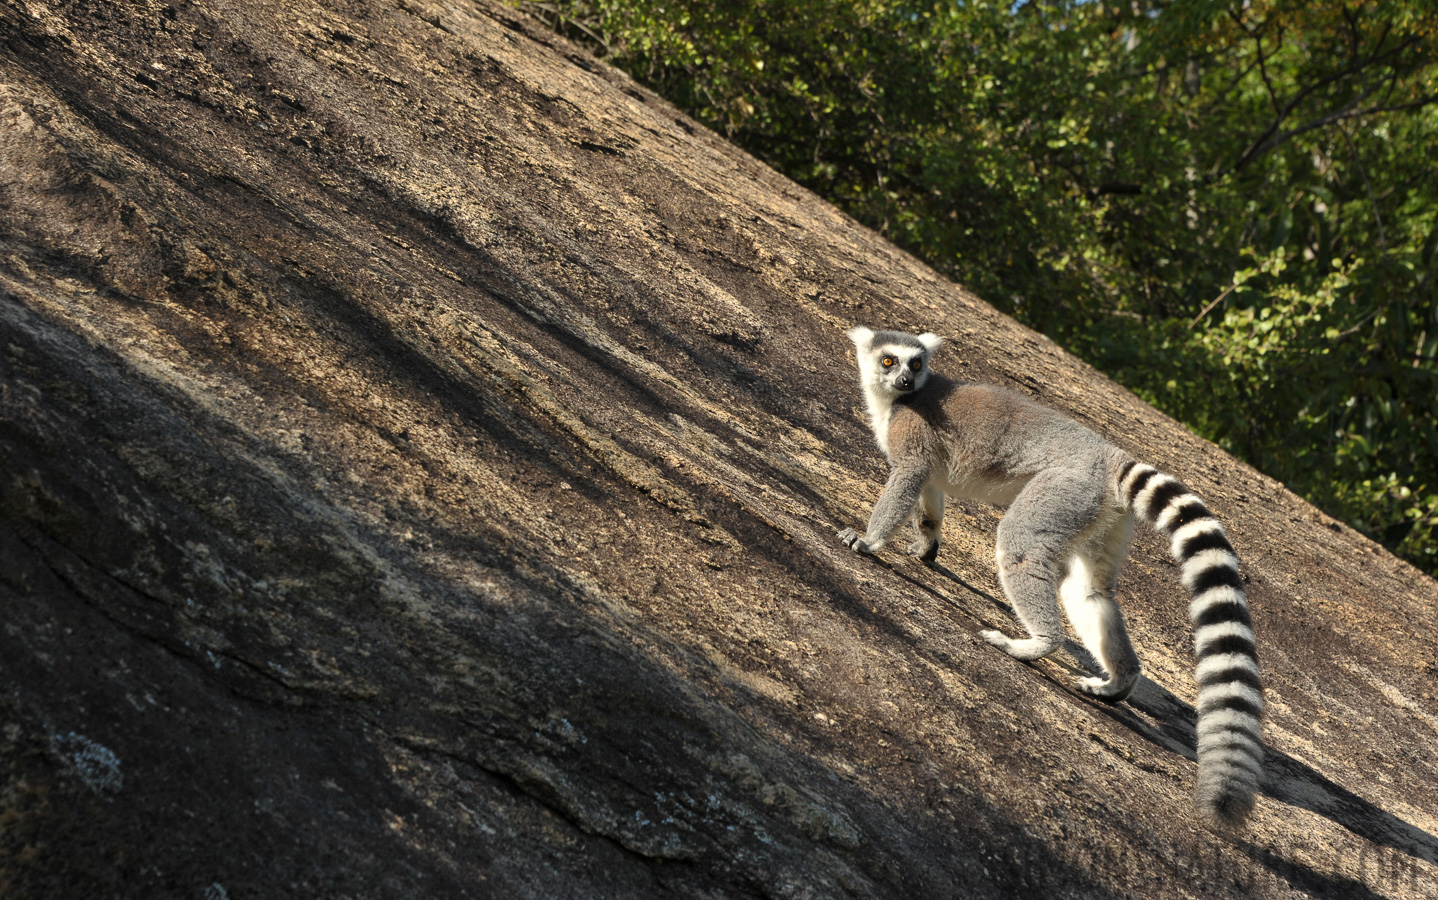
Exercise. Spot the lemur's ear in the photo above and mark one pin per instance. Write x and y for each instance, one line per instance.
(930, 341)
(861, 336)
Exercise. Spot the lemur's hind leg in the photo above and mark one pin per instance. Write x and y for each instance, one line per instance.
(929, 523)
(1088, 599)
(1035, 539)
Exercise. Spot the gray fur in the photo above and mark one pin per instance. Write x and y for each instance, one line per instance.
(1072, 501)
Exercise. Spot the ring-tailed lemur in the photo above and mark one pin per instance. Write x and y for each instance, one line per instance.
(1072, 499)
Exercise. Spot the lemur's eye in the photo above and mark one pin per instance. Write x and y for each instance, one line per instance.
(888, 362)
(916, 364)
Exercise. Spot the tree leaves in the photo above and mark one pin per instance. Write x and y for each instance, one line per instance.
(1228, 207)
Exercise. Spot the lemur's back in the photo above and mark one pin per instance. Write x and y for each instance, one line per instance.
(996, 434)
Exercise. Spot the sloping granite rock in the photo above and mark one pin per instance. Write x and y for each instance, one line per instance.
(421, 450)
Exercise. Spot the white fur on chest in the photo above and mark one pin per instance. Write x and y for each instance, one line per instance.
(965, 483)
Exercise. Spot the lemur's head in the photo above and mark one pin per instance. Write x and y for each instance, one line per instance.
(893, 362)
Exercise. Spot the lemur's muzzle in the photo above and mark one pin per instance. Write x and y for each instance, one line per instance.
(904, 382)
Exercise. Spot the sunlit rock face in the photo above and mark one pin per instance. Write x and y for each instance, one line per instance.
(421, 452)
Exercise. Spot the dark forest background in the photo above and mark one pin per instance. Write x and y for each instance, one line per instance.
(1229, 208)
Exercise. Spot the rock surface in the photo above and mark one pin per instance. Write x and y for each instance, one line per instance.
(421, 450)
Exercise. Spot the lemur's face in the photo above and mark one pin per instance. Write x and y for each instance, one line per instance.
(893, 362)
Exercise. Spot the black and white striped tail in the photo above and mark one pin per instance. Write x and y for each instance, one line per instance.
(1230, 699)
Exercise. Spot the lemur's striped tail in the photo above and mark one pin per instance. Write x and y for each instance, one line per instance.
(1230, 699)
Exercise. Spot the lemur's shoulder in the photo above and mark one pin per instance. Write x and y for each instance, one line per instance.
(945, 402)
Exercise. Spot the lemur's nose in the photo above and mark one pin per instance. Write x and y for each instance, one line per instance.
(905, 381)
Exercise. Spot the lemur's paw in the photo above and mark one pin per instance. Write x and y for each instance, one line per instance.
(854, 541)
(1027, 649)
(997, 638)
(924, 550)
(1104, 689)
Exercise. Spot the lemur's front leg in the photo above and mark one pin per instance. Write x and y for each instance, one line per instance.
(895, 507)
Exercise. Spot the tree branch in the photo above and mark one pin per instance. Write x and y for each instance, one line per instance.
(1209, 308)
(1273, 135)
(1343, 114)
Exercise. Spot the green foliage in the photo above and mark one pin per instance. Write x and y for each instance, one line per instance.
(1230, 207)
